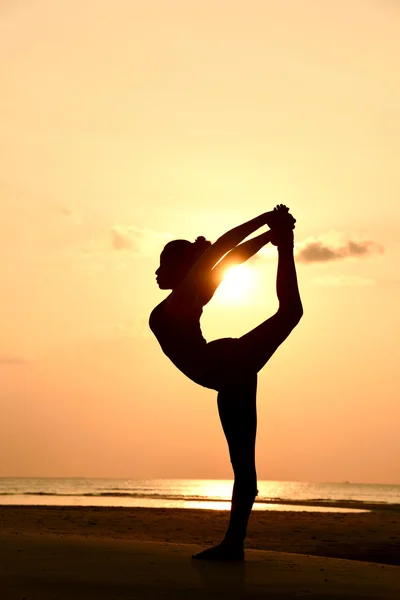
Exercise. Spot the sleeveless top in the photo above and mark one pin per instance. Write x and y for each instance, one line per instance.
(180, 337)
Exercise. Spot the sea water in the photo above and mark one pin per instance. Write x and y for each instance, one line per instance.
(197, 493)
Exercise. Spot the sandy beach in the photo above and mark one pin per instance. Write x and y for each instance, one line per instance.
(74, 552)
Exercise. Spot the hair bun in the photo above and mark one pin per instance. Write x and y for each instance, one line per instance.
(201, 241)
(200, 245)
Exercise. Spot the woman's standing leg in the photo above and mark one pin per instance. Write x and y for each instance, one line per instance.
(237, 399)
(238, 414)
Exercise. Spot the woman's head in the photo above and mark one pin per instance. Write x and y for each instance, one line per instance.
(176, 260)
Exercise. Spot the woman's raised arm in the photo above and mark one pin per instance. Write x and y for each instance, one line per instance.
(200, 275)
(234, 236)
(228, 241)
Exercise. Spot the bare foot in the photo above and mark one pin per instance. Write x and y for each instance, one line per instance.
(222, 552)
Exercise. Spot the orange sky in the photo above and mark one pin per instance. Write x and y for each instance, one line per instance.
(125, 124)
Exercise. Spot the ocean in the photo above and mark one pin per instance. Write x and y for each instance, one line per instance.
(197, 493)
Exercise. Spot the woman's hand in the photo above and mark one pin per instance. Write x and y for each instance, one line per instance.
(282, 224)
(280, 218)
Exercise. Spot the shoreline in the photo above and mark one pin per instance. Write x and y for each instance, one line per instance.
(363, 536)
(108, 500)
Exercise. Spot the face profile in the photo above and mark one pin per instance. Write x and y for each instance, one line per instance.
(168, 273)
(175, 261)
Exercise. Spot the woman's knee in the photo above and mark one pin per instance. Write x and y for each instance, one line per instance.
(246, 487)
(244, 471)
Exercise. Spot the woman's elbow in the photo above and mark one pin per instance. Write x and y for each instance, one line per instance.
(298, 313)
(292, 313)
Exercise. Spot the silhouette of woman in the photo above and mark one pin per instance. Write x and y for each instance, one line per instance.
(193, 271)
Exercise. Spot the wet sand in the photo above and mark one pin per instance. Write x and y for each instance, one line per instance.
(84, 552)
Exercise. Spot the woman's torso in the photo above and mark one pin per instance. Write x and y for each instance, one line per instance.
(178, 331)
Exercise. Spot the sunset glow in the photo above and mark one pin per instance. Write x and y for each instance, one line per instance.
(237, 285)
(125, 125)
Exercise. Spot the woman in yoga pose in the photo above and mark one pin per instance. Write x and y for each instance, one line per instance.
(193, 271)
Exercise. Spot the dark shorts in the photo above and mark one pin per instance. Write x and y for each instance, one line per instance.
(223, 364)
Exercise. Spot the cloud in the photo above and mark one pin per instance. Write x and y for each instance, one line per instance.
(67, 212)
(344, 281)
(8, 359)
(64, 210)
(335, 246)
(142, 241)
(120, 241)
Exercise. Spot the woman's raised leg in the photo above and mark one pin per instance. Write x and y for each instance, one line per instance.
(256, 347)
(238, 414)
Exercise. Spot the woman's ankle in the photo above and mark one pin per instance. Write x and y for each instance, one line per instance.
(233, 542)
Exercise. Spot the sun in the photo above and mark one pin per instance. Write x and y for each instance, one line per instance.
(237, 285)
